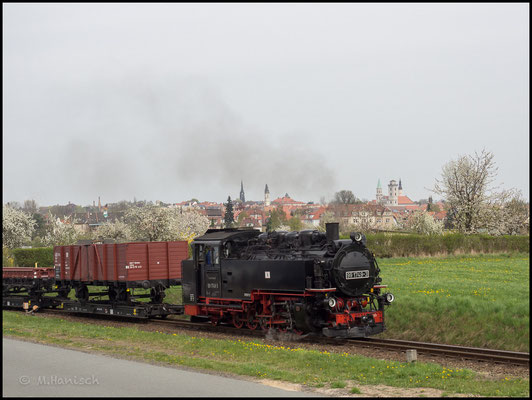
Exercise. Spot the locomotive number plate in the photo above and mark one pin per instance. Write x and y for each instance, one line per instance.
(357, 274)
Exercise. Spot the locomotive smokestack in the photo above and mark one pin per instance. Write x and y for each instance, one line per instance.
(332, 231)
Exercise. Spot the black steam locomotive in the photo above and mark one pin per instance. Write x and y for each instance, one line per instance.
(300, 282)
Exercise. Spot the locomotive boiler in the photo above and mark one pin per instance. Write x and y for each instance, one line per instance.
(301, 282)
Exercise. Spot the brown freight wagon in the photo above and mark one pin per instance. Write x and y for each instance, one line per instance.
(120, 266)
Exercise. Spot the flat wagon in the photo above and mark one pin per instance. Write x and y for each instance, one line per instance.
(18, 279)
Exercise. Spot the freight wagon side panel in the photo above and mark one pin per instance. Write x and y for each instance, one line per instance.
(74, 255)
(100, 270)
(177, 251)
(155, 261)
(136, 265)
(158, 266)
(113, 263)
(83, 263)
(59, 262)
(122, 270)
(109, 257)
(70, 255)
(92, 264)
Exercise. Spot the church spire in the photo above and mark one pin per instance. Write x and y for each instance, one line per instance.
(379, 192)
(266, 196)
(242, 195)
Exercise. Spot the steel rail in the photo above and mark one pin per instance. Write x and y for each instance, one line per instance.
(475, 353)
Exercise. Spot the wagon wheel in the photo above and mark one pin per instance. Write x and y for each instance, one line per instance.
(157, 295)
(238, 321)
(297, 331)
(123, 294)
(82, 293)
(113, 294)
(251, 322)
(215, 321)
(63, 292)
(252, 325)
(264, 323)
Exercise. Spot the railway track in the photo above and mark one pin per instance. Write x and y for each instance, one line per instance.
(444, 350)
(470, 353)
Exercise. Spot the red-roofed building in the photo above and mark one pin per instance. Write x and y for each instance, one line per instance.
(395, 196)
(312, 216)
(288, 201)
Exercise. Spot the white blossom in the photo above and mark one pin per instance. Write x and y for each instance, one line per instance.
(424, 224)
(17, 227)
(117, 230)
(473, 205)
(187, 225)
(159, 224)
(60, 233)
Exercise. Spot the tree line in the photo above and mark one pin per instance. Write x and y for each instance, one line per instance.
(148, 223)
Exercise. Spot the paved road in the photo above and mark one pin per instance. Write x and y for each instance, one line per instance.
(31, 369)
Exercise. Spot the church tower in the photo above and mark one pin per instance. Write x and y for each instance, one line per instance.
(392, 193)
(266, 196)
(400, 188)
(379, 191)
(242, 195)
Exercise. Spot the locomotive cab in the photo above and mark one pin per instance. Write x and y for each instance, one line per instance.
(202, 275)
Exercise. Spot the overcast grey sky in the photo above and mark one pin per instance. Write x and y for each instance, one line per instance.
(173, 101)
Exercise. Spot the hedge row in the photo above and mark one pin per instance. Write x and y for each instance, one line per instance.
(43, 256)
(382, 244)
(412, 245)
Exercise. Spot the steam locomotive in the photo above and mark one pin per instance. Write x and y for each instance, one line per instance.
(301, 282)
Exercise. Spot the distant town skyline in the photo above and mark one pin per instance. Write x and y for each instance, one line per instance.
(242, 191)
(170, 101)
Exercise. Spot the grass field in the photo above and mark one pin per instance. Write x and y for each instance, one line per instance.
(480, 301)
(257, 359)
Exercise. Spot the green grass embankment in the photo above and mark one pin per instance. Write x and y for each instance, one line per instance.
(480, 301)
(256, 359)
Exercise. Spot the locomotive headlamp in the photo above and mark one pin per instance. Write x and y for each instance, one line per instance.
(332, 302)
(389, 297)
